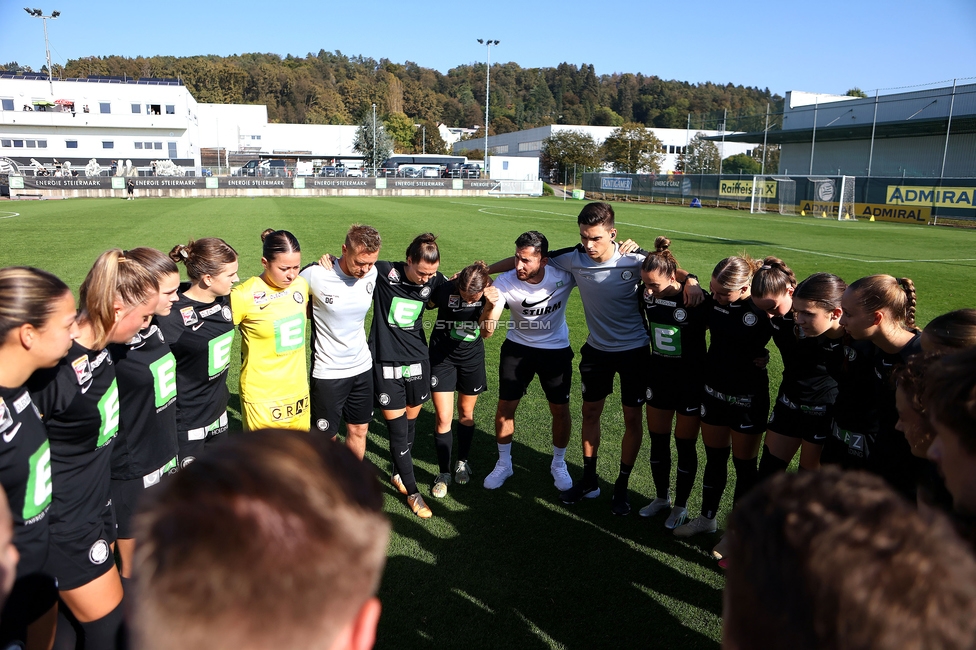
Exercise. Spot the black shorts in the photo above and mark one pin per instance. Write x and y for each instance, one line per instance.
(193, 442)
(811, 422)
(743, 413)
(598, 367)
(518, 364)
(399, 385)
(33, 595)
(127, 495)
(681, 394)
(849, 449)
(346, 398)
(79, 556)
(466, 378)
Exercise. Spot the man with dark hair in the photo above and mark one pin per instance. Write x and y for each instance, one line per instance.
(536, 343)
(838, 560)
(342, 367)
(276, 541)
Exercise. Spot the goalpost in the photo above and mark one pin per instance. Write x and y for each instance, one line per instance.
(779, 190)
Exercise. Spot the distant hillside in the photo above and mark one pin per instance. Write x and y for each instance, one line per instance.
(332, 88)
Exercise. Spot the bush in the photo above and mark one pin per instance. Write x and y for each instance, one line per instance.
(547, 190)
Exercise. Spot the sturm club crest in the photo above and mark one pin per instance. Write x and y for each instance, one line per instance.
(703, 410)
(433, 381)
(627, 275)
(186, 461)
(299, 298)
(384, 399)
(425, 292)
(322, 424)
(650, 394)
(226, 313)
(749, 318)
(680, 315)
(99, 552)
(369, 287)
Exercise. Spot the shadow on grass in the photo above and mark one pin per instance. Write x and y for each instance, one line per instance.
(515, 567)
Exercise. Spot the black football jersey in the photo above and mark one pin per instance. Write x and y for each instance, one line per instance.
(851, 364)
(146, 371)
(79, 402)
(200, 336)
(25, 471)
(397, 331)
(805, 376)
(456, 334)
(739, 334)
(677, 332)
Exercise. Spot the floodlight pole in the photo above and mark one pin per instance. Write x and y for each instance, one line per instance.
(374, 140)
(765, 133)
(487, 43)
(945, 149)
(37, 13)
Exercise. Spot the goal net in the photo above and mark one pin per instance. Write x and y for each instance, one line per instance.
(777, 193)
(845, 210)
(834, 198)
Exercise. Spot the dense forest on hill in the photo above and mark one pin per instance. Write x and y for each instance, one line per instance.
(333, 88)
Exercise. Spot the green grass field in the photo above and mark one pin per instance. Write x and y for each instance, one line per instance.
(514, 567)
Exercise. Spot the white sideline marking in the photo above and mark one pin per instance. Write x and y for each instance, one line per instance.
(715, 237)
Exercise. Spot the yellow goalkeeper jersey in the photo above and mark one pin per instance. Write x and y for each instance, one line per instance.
(274, 379)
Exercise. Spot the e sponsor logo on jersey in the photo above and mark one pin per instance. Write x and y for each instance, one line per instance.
(164, 379)
(189, 316)
(666, 340)
(108, 408)
(39, 486)
(749, 319)
(289, 333)
(219, 353)
(404, 313)
(83, 370)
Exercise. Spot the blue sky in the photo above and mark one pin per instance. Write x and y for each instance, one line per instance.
(827, 46)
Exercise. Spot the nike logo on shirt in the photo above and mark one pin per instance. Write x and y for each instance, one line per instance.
(197, 326)
(526, 303)
(7, 437)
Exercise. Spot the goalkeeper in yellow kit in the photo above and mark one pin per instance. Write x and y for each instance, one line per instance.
(271, 311)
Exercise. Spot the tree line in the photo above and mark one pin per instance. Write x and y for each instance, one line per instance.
(334, 88)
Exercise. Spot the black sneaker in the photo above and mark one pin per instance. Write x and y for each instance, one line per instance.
(579, 492)
(620, 504)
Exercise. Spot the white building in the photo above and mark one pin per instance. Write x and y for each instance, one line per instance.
(528, 143)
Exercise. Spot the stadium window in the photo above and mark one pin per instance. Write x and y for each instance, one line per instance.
(152, 109)
(170, 109)
(31, 144)
(136, 108)
(147, 145)
(138, 145)
(172, 149)
(535, 145)
(42, 144)
(7, 104)
(104, 107)
(5, 143)
(157, 145)
(19, 143)
(749, 152)
(70, 144)
(108, 144)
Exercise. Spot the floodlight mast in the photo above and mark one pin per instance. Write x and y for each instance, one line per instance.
(37, 13)
(487, 43)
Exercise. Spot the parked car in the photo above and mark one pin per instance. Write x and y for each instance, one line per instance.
(328, 172)
(471, 171)
(410, 172)
(428, 171)
(274, 168)
(354, 172)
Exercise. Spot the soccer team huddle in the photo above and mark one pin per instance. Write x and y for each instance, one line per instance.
(98, 404)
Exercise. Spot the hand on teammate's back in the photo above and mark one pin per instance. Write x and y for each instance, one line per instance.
(629, 246)
(693, 293)
(492, 296)
(327, 260)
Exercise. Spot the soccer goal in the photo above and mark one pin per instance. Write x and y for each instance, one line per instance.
(777, 190)
(845, 209)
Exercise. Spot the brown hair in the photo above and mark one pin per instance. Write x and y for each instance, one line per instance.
(363, 238)
(950, 395)
(423, 248)
(823, 289)
(835, 559)
(596, 214)
(661, 260)
(773, 278)
(886, 293)
(473, 278)
(113, 277)
(735, 272)
(954, 330)
(278, 242)
(205, 256)
(910, 378)
(277, 541)
(154, 261)
(28, 296)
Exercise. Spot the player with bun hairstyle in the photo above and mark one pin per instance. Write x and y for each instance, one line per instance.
(955, 330)
(145, 449)
(271, 311)
(735, 403)
(802, 417)
(37, 327)
(881, 309)
(79, 401)
(457, 363)
(675, 380)
(200, 332)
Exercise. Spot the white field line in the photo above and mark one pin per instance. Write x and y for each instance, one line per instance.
(9, 215)
(483, 210)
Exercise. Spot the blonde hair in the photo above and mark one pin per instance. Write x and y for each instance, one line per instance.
(112, 278)
(154, 261)
(735, 272)
(886, 293)
(28, 296)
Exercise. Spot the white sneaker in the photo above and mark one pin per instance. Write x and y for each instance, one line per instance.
(497, 477)
(721, 550)
(676, 518)
(655, 506)
(695, 526)
(560, 475)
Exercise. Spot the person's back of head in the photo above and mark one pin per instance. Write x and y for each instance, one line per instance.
(838, 560)
(274, 541)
